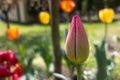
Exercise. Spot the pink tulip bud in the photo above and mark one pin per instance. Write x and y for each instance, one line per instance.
(77, 46)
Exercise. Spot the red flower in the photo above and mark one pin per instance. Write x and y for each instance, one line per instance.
(4, 71)
(17, 72)
(8, 57)
(9, 65)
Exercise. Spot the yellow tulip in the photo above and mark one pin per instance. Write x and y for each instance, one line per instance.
(44, 17)
(106, 15)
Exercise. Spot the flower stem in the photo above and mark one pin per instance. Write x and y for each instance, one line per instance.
(79, 72)
(105, 31)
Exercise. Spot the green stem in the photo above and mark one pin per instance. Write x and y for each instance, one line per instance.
(79, 72)
(105, 31)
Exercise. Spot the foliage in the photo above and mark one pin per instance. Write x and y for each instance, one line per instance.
(100, 56)
(98, 4)
(34, 35)
(104, 65)
(34, 6)
(113, 3)
(70, 64)
(27, 46)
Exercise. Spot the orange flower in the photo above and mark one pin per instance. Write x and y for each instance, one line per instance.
(67, 5)
(106, 15)
(13, 33)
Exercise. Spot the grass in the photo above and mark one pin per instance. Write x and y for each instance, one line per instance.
(24, 29)
(95, 32)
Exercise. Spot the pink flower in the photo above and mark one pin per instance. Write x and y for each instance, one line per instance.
(77, 46)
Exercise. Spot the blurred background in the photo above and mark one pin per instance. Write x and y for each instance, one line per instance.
(42, 26)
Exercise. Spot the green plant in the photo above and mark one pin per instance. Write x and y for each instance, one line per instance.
(104, 65)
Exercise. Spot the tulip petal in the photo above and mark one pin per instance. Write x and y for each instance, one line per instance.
(77, 47)
(9, 65)
(82, 46)
(4, 71)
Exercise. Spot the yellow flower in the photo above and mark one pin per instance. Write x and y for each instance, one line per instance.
(106, 15)
(44, 17)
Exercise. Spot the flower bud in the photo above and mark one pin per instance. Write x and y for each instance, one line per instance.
(77, 47)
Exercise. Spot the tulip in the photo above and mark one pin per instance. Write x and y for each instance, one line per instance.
(9, 65)
(13, 33)
(67, 5)
(106, 15)
(17, 72)
(77, 47)
(4, 71)
(8, 57)
(44, 17)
